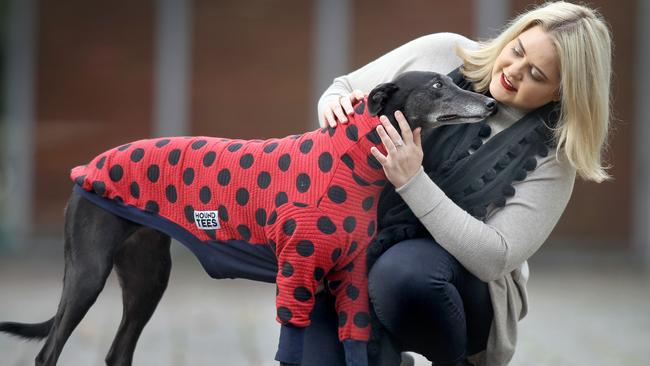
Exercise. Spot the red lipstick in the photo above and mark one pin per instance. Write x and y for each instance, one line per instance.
(505, 83)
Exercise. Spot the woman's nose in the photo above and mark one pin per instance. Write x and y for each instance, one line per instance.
(515, 71)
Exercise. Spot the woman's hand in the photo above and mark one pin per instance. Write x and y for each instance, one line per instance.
(405, 154)
(336, 110)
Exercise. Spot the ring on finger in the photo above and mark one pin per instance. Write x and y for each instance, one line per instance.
(399, 143)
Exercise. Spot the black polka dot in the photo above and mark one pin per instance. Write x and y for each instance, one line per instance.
(161, 143)
(367, 202)
(325, 162)
(353, 246)
(325, 225)
(302, 294)
(347, 160)
(331, 130)
(115, 173)
(137, 155)
(284, 314)
(360, 181)
(246, 161)
(305, 248)
(188, 176)
(303, 182)
(198, 144)
(284, 162)
(273, 245)
(234, 147)
(124, 147)
(260, 216)
(80, 180)
(99, 187)
(153, 173)
(336, 254)
(371, 227)
(189, 214)
(343, 318)
(171, 194)
(349, 224)
(241, 196)
(174, 156)
(152, 206)
(373, 137)
(300, 204)
(223, 213)
(100, 163)
(352, 292)
(272, 217)
(305, 146)
(244, 232)
(205, 195)
(264, 180)
(319, 273)
(352, 132)
(270, 147)
(211, 234)
(333, 285)
(349, 267)
(337, 194)
(281, 198)
(287, 269)
(373, 162)
(360, 108)
(289, 227)
(294, 137)
(208, 158)
(223, 177)
(134, 188)
(118, 199)
(361, 319)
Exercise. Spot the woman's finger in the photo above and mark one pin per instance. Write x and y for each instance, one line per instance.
(329, 118)
(392, 132)
(358, 94)
(417, 137)
(407, 135)
(385, 139)
(379, 156)
(338, 111)
(346, 103)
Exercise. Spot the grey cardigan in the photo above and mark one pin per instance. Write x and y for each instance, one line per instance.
(495, 251)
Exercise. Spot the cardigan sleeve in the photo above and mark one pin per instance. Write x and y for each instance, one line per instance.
(433, 52)
(510, 235)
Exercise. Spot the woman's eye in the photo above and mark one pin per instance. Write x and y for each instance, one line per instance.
(437, 85)
(516, 51)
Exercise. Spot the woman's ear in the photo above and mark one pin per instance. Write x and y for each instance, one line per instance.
(379, 96)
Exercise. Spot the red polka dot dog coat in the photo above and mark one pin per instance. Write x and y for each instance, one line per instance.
(310, 198)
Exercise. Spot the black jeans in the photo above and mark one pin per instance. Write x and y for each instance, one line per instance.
(427, 301)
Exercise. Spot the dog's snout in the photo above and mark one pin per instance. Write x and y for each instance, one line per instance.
(491, 104)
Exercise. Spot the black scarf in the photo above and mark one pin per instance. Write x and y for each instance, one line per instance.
(472, 181)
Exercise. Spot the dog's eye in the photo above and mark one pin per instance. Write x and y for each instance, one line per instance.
(437, 85)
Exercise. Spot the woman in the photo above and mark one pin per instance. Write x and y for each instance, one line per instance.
(462, 293)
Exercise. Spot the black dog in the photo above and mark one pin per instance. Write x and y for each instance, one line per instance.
(97, 240)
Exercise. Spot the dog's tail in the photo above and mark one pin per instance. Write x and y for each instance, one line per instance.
(28, 331)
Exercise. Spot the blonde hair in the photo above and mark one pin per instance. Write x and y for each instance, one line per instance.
(583, 44)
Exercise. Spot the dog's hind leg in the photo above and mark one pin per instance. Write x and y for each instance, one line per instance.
(92, 236)
(143, 264)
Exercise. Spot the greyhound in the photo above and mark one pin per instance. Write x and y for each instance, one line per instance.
(100, 236)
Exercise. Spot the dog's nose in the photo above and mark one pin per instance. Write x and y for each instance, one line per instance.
(491, 104)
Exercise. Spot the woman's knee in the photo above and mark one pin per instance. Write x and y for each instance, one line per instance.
(410, 267)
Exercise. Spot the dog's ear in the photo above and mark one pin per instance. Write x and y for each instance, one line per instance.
(379, 96)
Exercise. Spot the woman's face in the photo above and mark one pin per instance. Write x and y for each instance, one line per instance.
(526, 74)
